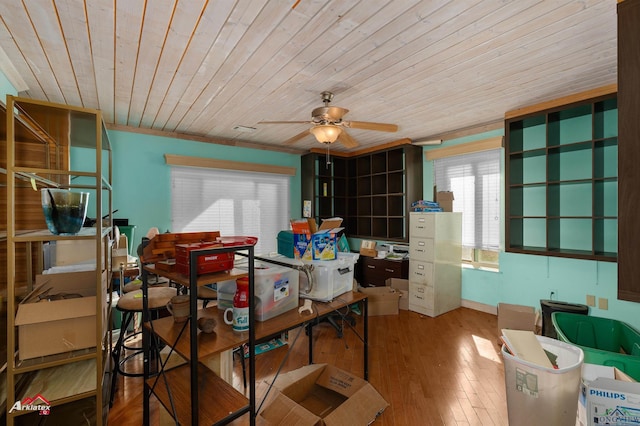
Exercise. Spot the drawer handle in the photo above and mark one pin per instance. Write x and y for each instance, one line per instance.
(389, 270)
(420, 266)
(419, 274)
(418, 296)
(421, 220)
(420, 250)
(421, 243)
(371, 267)
(420, 290)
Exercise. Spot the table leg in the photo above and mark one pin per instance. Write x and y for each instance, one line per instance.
(310, 337)
(365, 313)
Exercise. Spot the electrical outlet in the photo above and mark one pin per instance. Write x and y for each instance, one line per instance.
(553, 294)
(603, 303)
(591, 300)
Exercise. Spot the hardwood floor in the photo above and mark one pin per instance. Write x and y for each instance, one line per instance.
(432, 371)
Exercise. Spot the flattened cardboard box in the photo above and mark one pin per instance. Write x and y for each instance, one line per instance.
(321, 394)
(516, 317)
(51, 327)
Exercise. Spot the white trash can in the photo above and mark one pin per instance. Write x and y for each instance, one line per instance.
(538, 395)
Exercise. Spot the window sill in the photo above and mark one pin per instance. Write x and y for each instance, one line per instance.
(478, 267)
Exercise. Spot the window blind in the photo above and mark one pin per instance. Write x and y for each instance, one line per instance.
(475, 181)
(232, 202)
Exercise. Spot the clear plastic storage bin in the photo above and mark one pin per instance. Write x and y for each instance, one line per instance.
(276, 290)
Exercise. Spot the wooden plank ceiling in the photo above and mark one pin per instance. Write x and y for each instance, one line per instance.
(203, 67)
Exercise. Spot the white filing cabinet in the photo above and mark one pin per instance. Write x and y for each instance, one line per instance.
(435, 253)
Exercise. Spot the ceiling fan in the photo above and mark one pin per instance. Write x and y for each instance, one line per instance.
(329, 127)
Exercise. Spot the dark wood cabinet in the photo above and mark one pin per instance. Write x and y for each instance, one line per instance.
(374, 272)
(629, 150)
(372, 192)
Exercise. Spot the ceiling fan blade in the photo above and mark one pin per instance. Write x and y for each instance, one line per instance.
(347, 140)
(283, 122)
(296, 138)
(367, 125)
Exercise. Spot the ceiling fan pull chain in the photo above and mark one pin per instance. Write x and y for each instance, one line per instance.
(328, 156)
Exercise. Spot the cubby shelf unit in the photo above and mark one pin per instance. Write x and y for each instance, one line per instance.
(561, 181)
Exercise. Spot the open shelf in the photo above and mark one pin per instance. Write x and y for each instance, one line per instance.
(371, 192)
(217, 398)
(561, 181)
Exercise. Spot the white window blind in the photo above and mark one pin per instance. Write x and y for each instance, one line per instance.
(475, 181)
(232, 202)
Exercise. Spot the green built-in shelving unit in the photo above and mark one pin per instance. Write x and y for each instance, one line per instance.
(561, 181)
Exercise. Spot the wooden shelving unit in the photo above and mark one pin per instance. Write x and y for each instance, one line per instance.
(38, 139)
(196, 389)
(372, 192)
(561, 181)
(193, 388)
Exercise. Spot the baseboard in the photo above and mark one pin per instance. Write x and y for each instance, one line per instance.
(479, 307)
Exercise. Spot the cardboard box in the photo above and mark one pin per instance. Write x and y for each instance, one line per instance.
(311, 242)
(401, 285)
(56, 326)
(368, 248)
(516, 317)
(382, 300)
(321, 394)
(445, 200)
(613, 402)
(76, 252)
(591, 372)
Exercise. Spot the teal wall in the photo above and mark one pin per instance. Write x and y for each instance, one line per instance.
(525, 279)
(142, 179)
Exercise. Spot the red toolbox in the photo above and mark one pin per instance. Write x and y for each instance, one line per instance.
(207, 264)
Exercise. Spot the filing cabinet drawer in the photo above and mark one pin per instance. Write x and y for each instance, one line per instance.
(421, 249)
(421, 272)
(421, 298)
(422, 225)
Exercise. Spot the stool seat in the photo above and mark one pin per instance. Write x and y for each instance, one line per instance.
(131, 305)
(207, 294)
(158, 298)
(137, 284)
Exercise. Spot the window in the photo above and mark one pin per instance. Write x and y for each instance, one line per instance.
(232, 202)
(474, 179)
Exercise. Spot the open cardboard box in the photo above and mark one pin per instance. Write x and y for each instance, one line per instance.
(401, 285)
(445, 200)
(51, 327)
(382, 300)
(316, 243)
(368, 248)
(321, 394)
(607, 395)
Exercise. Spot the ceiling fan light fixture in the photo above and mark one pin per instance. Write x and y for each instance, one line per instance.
(326, 133)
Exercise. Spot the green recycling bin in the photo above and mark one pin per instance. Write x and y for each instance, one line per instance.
(604, 341)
